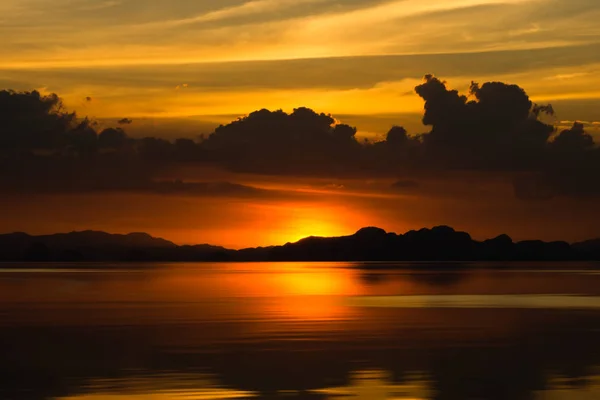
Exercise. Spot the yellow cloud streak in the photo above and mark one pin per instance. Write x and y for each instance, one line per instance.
(367, 31)
(245, 9)
(383, 98)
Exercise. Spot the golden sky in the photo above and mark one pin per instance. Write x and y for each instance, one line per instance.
(180, 68)
(188, 66)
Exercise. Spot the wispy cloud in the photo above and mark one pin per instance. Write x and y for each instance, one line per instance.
(561, 77)
(396, 9)
(401, 26)
(100, 5)
(289, 29)
(249, 8)
(136, 52)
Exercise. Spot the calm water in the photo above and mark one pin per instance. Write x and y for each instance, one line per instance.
(298, 331)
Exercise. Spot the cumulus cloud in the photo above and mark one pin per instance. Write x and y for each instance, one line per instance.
(497, 127)
(574, 139)
(275, 142)
(494, 128)
(125, 121)
(30, 120)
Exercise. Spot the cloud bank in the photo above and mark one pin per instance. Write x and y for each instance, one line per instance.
(493, 128)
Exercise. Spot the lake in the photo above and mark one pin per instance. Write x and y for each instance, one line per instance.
(299, 331)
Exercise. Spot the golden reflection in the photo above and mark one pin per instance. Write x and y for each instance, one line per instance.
(310, 293)
(211, 394)
(378, 385)
(164, 387)
(316, 283)
(192, 283)
(297, 291)
(513, 301)
(561, 388)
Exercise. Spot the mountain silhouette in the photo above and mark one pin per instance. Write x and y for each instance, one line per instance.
(78, 246)
(440, 243)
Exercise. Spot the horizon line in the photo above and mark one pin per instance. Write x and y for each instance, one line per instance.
(237, 248)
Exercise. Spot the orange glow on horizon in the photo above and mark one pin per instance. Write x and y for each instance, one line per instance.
(303, 227)
(284, 223)
(272, 224)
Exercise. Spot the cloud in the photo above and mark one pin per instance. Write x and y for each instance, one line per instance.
(100, 5)
(567, 76)
(405, 185)
(277, 142)
(574, 139)
(393, 10)
(258, 30)
(497, 128)
(125, 121)
(587, 124)
(30, 120)
(494, 128)
(248, 8)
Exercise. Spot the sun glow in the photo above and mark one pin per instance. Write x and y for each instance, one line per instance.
(312, 293)
(305, 227)
(292, 222)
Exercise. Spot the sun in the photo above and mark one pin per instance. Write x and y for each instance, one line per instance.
(281, 223)
(303, 228)
(306, 222)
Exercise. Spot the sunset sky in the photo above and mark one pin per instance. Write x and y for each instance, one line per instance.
(181, 68)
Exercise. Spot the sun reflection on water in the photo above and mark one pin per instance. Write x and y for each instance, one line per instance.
(561, 388)
(379, 385)
(163, 387)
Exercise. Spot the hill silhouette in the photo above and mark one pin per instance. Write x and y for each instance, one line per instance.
(91, 246)
(440, 243)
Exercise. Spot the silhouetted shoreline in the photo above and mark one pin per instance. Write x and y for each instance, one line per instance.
(439, 247)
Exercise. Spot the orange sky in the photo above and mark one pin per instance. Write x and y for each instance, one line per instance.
(151, 61)
(181, 68)
(245, 222)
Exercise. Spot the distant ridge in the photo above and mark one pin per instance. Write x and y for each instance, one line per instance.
(441, 243)
(90, 246)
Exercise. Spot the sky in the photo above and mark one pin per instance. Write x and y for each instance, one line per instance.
(179, 69)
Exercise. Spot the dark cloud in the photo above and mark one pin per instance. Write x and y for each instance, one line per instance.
(532, 186)
(29, 120)
(112, 138)
(111, 174)
(574, 140)
(494, 128)
(45, 149)
(405, 185)
(500, 129)
(570, 168)
(573, 164)
(274, 142)
(125, 121)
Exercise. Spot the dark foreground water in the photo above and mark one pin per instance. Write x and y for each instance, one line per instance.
(298, 331)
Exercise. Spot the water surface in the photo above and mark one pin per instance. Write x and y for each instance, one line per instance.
(299, 331)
